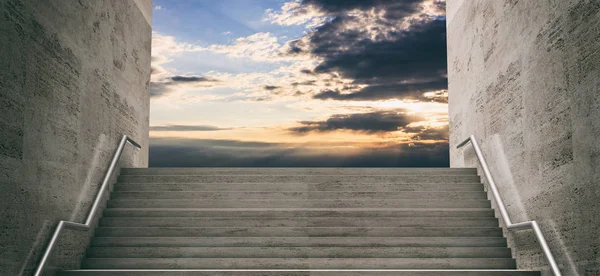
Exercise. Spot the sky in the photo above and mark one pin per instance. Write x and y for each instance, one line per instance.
(299, 83)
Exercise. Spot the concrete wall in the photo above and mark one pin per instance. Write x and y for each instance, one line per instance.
(74, 77)
(524, 77)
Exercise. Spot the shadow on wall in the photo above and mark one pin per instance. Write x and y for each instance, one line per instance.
(501, 171)
(89, 180)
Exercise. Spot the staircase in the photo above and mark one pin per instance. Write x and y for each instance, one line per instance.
(302, 221)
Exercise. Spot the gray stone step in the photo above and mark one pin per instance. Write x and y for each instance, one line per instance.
(373, 187)
(299, 263)
(299, 178)
(298, 252)
(494, 272)
(298, 231)
(220, 221)
(297, 222)
(299, 212)
(305, 203)
(313, 171)
(300, 241)
(233, 195)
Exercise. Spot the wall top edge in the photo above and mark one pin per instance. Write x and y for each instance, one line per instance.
(145, 7)
(452, 7)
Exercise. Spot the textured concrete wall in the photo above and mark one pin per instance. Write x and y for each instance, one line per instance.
(524, 77)
(74, 78)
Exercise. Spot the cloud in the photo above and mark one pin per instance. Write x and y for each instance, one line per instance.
(416, 54)
(359, 50)
(170, 84)
(262, 47)
(382, 121)
(295, 13)
(394, 9)
(172, 152)
(270, 87)
(186, 128)
(393, 49)
(429, 133)
(164, 47)
(189, 79)
(390, 91)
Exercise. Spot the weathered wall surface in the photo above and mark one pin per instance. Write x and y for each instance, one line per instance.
(524, 77)
(74, 78)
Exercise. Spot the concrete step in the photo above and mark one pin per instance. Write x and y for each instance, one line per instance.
(298, 252)
(305, 203)
(298, 231)
(302, 187)
(299, 212)
(225, 221)
(297, 222)
(233, 195)
(311, 171)
(491, 272)
(300, 263)
(357, 179)
(300, 241)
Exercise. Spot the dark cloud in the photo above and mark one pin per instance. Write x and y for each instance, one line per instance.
(440, 6)
(270, 87)
(158, 89)
(366, 122)
(186, 128)
(308, 83)
(189, 79)
(429, 133)
(416, 54)
(165, 152)
(397, 8)
(387, 91)
(380, 56)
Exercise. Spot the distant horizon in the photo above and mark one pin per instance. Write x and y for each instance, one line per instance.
(312, 83)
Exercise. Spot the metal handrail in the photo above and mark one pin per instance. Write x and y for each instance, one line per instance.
(90, 217)
(509, 224)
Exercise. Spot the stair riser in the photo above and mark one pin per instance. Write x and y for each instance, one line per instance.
(302, 171)
(299, 241)
(281, 263)
(299, 222)
(350, 179)
(112, 212)
(400, 203)
(295, 232)
(296, 195)
(297, 252)
(302, 273)
(300, 187)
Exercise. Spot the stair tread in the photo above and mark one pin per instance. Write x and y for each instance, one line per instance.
(311, 209)
(302, 241)
(324, 263)
(295, 252)
(302, 272)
